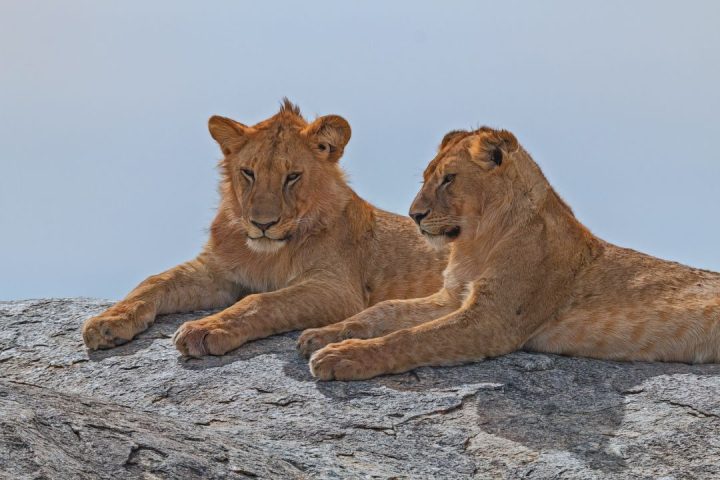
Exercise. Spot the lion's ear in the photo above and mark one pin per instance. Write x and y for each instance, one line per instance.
(504, 144)
(450, 136)
(507, 140)
(328, 136)
(493, 146)
(228, 133)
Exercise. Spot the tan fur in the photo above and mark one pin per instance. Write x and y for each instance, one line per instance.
(321, 254)
(523, 273)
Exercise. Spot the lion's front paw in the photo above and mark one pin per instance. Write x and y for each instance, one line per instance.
(314, 339)
(348, 360)
(202, 337)
(117, 325)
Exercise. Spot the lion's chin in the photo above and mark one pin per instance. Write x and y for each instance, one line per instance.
(265, 245)
(438, 242)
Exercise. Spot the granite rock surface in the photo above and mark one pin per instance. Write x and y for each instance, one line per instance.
(142, 411)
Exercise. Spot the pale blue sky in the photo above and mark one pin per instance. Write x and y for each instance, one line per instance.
(107, 172)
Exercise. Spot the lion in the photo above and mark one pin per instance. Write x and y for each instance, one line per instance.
(523, 273)
(292, 245)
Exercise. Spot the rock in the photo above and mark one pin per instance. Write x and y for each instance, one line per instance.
(141, 411)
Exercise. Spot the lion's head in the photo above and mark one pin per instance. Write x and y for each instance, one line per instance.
(476, 178)
(281, 177)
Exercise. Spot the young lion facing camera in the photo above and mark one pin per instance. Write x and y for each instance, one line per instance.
(292, 246)
(523, 273)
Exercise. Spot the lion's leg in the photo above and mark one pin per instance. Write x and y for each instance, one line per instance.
(379, 320)
(310, 303)
(463, 336)
(193, 285)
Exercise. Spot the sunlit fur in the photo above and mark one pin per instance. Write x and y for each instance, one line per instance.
(523, 273)
(328, 255)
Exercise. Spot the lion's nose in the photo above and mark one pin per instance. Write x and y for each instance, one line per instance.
(418, 216)
(264, 226)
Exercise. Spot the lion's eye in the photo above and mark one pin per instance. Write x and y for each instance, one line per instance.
(249, 174)
(448, 178)
(292, 177)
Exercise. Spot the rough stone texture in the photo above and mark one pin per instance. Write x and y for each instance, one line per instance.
(141, 411)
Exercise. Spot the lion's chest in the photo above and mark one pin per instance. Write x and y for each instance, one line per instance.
(459, 274)
(264, 272)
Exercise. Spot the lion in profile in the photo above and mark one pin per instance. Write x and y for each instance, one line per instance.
(292, 245)
(523, 273)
